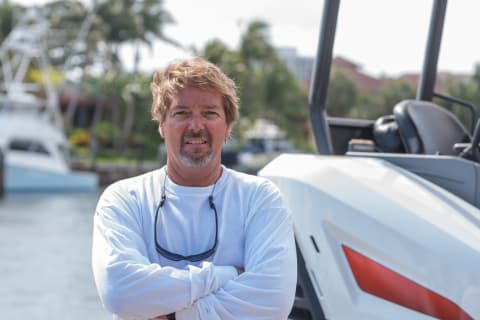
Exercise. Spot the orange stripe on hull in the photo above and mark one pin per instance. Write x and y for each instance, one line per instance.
(384, 283)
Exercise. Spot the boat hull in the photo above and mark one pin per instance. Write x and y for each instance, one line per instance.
(379, 242)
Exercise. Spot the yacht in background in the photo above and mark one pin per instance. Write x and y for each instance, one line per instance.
(32, 138)
(263, 142)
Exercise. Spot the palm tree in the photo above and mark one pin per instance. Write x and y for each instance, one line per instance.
(135, 22)
(255, 46)
(114, 23)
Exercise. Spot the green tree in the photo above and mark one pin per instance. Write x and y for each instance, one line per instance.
(342, 95)
(134, 22)
(112, 23)
(468, 91)
(374, 105)
(8, 13)
(266, 88)
(392, 93)
(287, 104)
(255, 47)
(229, 60)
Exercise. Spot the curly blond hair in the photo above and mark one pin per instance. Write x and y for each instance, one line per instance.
(198, 73)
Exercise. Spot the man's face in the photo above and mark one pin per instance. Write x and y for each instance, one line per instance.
(195, 128)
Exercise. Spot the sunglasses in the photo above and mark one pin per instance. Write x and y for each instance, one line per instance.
(178, 257)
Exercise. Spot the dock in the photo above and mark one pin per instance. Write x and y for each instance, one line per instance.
(111, 172)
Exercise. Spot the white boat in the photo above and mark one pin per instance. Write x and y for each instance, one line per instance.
(32, 139)
(264, 142)
(36, 156)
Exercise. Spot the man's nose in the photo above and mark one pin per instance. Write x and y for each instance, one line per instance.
(196, 123)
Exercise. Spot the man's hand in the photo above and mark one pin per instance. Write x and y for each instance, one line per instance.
(240, 270)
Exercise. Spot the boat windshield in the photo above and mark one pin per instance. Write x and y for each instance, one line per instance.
(28, 145)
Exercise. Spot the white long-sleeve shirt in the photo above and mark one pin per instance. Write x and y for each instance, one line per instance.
(254, 232)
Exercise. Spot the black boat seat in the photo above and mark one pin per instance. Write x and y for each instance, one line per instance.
(426, 128)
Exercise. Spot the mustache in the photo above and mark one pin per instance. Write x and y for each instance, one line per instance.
(202, 134)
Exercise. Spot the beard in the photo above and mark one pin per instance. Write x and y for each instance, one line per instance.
(196, 161)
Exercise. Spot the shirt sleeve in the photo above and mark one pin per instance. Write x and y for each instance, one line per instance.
(266, 289)
(129, 285)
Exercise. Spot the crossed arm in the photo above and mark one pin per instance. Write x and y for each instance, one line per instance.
(134, 288)
(239, 271)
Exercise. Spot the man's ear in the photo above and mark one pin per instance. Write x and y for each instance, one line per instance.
(160, 130)
(229, 131)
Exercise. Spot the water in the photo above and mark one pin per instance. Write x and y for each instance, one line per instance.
(45, 252)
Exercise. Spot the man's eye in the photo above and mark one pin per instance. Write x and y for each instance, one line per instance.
(211, 114)
(180, 114)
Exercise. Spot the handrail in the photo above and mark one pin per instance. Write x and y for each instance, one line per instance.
(470, 106)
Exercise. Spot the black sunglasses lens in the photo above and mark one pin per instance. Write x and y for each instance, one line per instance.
(178, 257)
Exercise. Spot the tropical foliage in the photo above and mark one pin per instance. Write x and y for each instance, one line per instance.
(84, 46)
(267, 89)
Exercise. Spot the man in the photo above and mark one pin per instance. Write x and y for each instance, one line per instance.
(194, 239)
